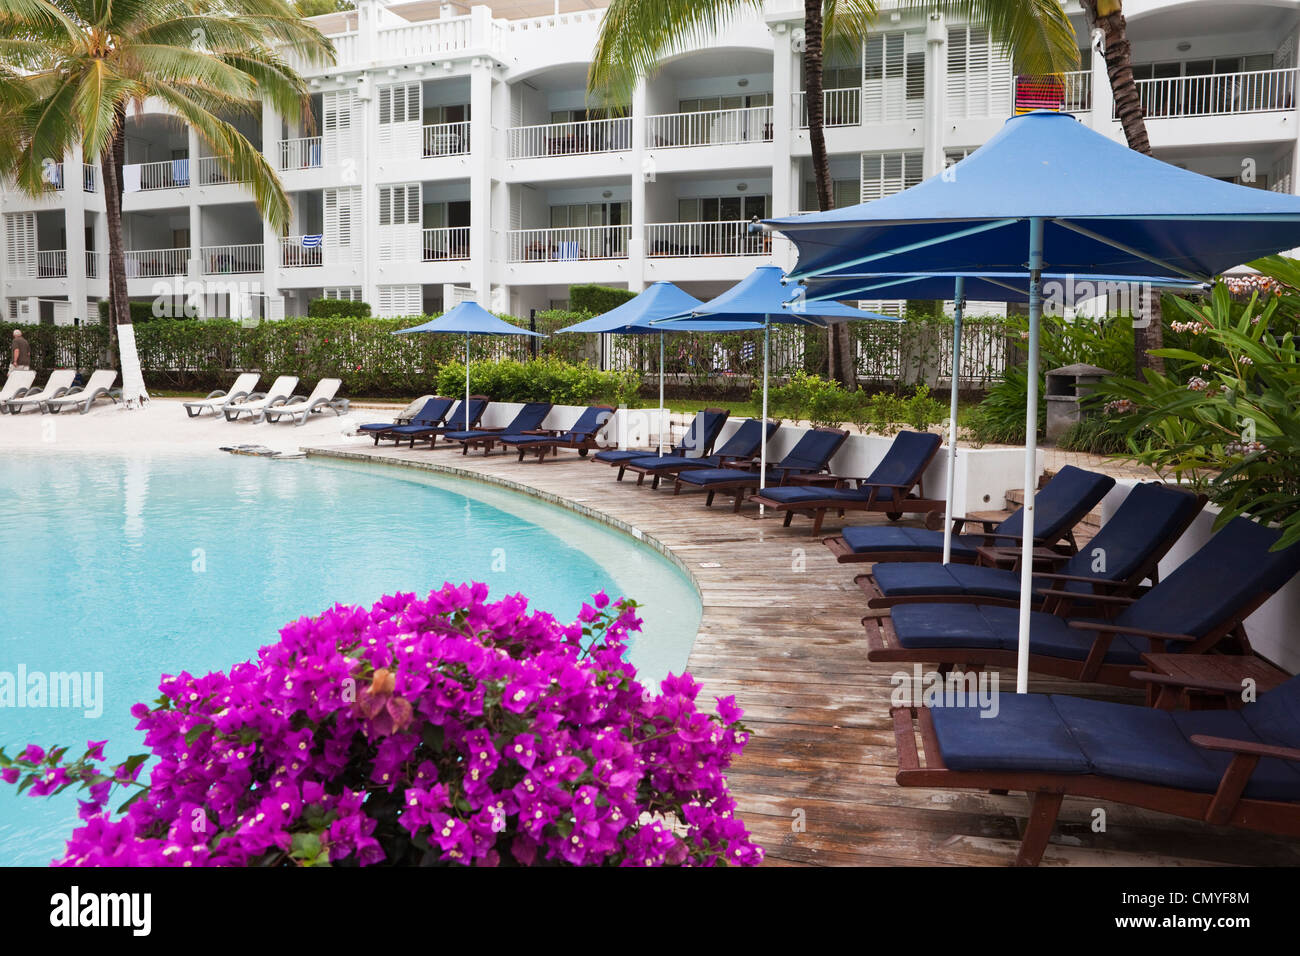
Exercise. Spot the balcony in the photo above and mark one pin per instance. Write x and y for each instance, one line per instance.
(571, 139)
(208, 172)
(168, 174)
(301, 153)
(89, 178)
(301, 252)
(1218, 94)
(575, 243)
(94, 264)
(693, 239)
(712, 128)
(230, 260)
(446, 139)
(842, 107)
(156, 263)
(448, 243)
(52, 264)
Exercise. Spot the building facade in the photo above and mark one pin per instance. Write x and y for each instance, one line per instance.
(452, 153)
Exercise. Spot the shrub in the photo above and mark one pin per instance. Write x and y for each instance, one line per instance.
(1000, 417)
(429, 732)
(921, 411)
(540, 380)
(337, 309)
(1095, 435)
(140, 312)
(597, 299)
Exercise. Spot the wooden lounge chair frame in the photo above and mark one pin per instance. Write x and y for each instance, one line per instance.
(382, 433)
(669, 468)
(789, 476)
(488, 442)
(582, 445)
(450, 423)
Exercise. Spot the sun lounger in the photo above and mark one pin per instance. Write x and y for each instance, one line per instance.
(580, 437)
(1124, 553)
(299, 408)
(737, 451)
(809, 457)
(99, 386)
(17, 384)
(1199, 607)
(889, 488)
(1232, 767)
(256, 404)
(706, 426)
(1060, 505)
(528, 420)
(55, 386)
(216, 401)
(429, 415)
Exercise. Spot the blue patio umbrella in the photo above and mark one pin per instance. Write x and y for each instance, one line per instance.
(468, 318)
(763, 297)
(660, 300)
(1066, 290)
(1044, 192)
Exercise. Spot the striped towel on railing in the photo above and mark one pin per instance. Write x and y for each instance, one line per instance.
(311, 242)
(1039, 93)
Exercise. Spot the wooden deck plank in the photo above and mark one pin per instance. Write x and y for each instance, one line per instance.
(781, 630)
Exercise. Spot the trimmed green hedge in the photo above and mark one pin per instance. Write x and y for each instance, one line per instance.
(337, 309)
(540, 380)
(140, 312)
(597, 299)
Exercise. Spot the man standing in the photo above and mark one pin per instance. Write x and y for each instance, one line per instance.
(21, 359)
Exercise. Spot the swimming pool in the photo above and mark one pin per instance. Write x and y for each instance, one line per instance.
(122, 568)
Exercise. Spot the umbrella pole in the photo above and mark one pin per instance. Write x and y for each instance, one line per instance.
(466, 381)
(1031, 451)
(959, 302)
(762, 455)
(661, 394)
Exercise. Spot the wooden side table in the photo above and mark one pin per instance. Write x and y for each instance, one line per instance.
(1206, 681)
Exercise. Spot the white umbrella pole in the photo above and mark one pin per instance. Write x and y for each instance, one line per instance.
(959, 301)
(466, 381)
(1031, 451)
(762, 454)
(661, 394)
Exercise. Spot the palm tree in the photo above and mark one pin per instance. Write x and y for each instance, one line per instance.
(70, 70)
(636, 34)
(1108, 16)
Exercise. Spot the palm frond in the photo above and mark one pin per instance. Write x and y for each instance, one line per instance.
(1037, 33)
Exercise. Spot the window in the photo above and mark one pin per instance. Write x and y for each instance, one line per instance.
(346, 293)
(577, 215)
(844, 192)
(399, 205)
(399, 104)
(711, 104)
(884, 174)
(723, 208)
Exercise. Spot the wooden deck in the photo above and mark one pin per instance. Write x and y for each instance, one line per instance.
(781, 631)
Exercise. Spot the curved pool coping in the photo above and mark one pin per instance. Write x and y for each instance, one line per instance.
(530, 491)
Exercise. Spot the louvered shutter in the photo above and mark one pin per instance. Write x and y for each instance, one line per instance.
(400, 211)
(398, 300)
(884, 174)
(400, 123)
(20, 229)
(342, 214)
(979, 77)
(340, 128)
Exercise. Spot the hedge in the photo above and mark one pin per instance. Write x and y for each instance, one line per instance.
(597, 299)
(541, 380)
(338, 309)
(140, 312)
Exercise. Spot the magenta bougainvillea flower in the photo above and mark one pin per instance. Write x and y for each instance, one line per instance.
(441, 731)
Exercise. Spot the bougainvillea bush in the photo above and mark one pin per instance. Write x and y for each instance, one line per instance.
(418, 732)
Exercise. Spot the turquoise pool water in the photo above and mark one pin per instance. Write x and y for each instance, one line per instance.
(131, 567)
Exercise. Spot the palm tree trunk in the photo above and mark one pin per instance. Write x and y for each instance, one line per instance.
(839, 342)
(1148, 334)
(110, 163)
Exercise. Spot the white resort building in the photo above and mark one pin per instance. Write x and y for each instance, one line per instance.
(453, 153)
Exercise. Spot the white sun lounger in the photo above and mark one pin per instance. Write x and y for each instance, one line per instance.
(219, 399)
(16, 385)
(299, 409)
(100, 386)
(257, 403)
(55, 386)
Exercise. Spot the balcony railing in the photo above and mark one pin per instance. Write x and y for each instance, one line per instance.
(209, 172)
(295, 255)
(570, 139)
(89, 178)
(222, 260)
(168, 174)
(153, 263)
(1218, 94)
(448, 242)
(420, 40)
(94, 264)
(52, 175)
(1078, 91)
(446, 139)
(51, 263)
(571, 244)
(713, 128)
(842, 107)
(301, 153)
(691, 239)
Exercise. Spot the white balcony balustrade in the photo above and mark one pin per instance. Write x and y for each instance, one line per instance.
(89, 178)
(710, 128)
(446, 243)
(420, 40)
(155, 263)
(1218, 94)
(569, 244)
(841, 107)
(95, 264)
(294, 254)
(208, 171)
(1078, 91)
(571, 139)
(446, 139)
(51, 263)
(168, 174)
(226, 260)
(692, 239)
(301, 153)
